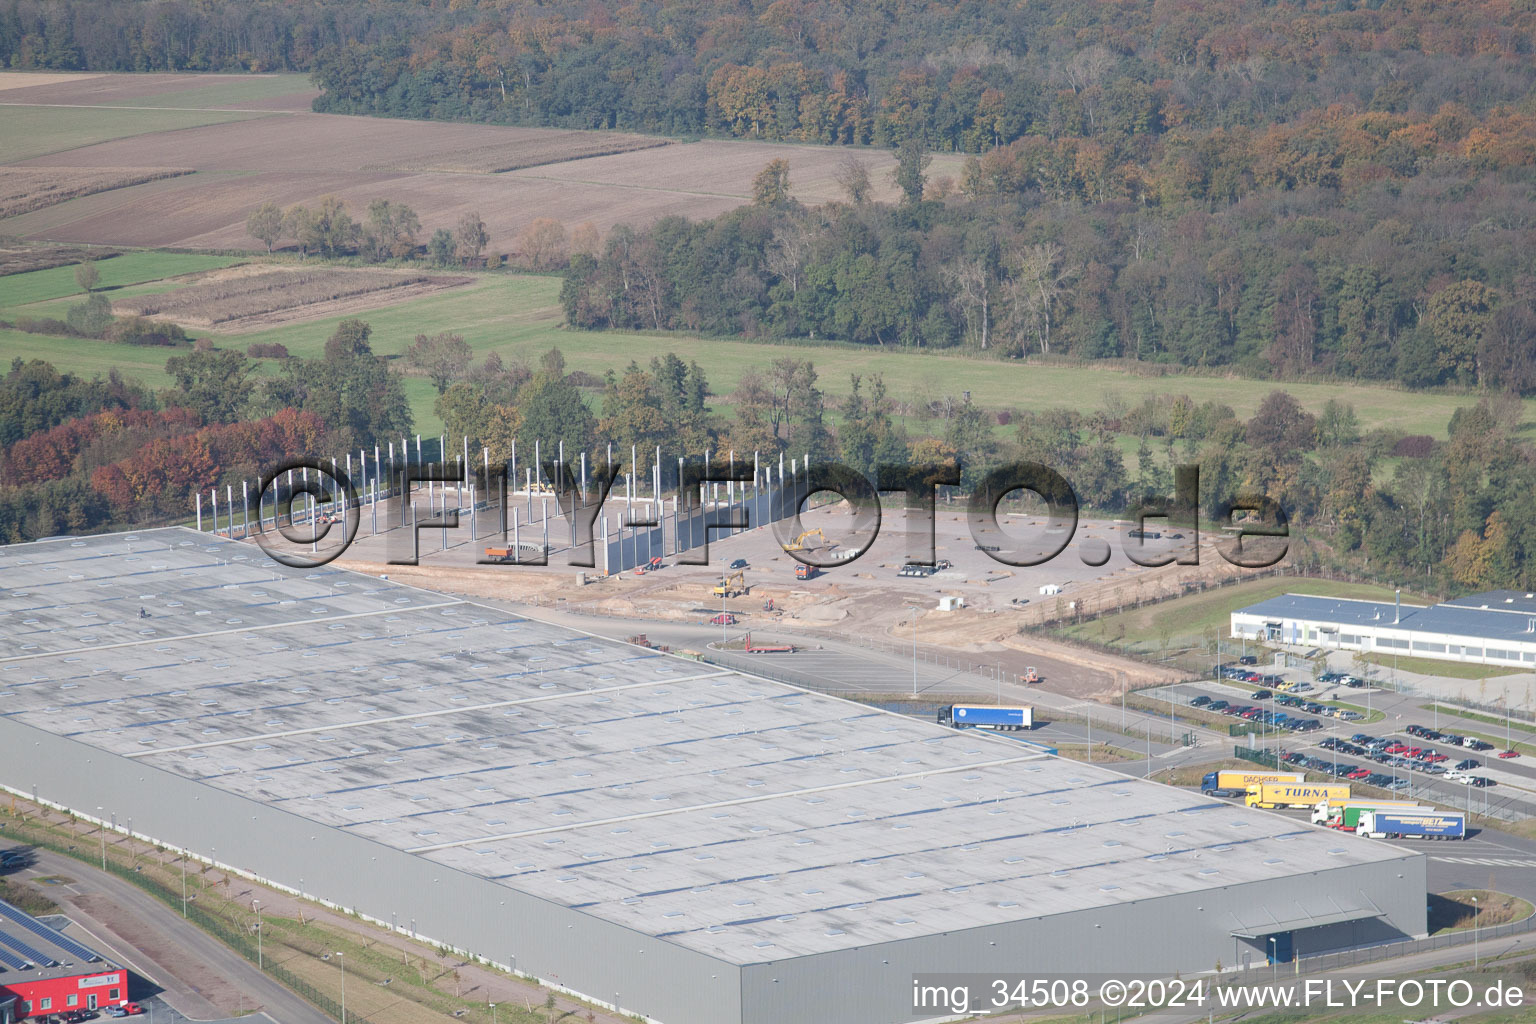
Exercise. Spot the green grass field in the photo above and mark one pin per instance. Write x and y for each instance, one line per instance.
(88, 358)
(519, 317)
(34, 131)
(1437, 667)
(131, 268)
(223, 92)
(1189, 619)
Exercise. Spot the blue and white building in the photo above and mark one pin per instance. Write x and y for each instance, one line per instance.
(1495, 628)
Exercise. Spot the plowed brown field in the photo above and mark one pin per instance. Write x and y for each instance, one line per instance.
(441, 170)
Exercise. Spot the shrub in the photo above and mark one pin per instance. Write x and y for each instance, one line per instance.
(137, 330)
(91, 318)
(1414, 446)
(44, 325)
(267, 350)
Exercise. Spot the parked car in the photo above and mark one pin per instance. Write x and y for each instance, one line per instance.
(1248, 659)
(1260, 695)
(1217, 705)
(1359, 773)
(1200, 701)
(1507, 754)
(1467, 764)
(1480, 781)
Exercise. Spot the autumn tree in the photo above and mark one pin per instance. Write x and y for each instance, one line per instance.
(265, 224)
(543, 243)
(215, 383)
(1457, 316)
(852, 176)
(585, 239)
(353, 392)
(553, 410)
(912, 159)
(443, 357)
(771, 185)
(440, 248)
(470, 238)
(391, 230)
(297, 224)
(86, 275)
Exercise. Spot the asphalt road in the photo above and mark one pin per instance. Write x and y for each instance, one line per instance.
(150, 915)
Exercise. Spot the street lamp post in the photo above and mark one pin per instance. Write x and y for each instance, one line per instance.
(493, 1013)
(102, 823)
(1274, 957)
(341, 959)
(261, 963)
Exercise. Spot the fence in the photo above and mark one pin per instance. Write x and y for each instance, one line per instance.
(1408, 947)
(1496, 710)
(1263, 757)
(216, 926)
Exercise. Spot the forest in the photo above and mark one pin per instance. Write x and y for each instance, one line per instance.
(1427, 282)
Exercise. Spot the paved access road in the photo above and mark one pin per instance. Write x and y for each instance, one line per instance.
(184, 955)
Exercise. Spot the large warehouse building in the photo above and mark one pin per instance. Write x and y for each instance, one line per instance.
(687, 843)
(1496, 628)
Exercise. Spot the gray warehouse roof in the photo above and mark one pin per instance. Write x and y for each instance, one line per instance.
(1497, 615)
(739, 817)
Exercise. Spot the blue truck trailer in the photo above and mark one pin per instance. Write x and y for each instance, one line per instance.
(987, 716)
(1412, 825)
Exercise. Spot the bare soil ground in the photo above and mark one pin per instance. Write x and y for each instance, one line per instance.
(71, 89)
(260, 297)
(510, 156)
(12, 80)
(298, 157)
(20, 259)
(23, 189)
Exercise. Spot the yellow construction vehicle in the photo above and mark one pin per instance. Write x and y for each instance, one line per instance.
(730, 586)
(799, 543)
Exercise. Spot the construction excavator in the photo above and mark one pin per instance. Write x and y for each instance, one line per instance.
(799, 543)
(730, 586)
